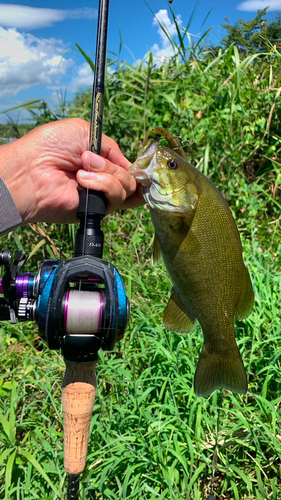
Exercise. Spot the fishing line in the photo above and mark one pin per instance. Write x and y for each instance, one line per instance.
(211, 496)
(83, 315)
(97, 98)
(85, 223)
(215, 455)
(186, 96)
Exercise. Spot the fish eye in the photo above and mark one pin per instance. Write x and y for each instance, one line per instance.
(172, 164)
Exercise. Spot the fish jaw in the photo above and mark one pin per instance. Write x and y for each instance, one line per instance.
(139, 174)
(142, 166)
(142, 170)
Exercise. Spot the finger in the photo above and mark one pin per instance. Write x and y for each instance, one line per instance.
(111, 151)
(135, 200)
(115, 192)
(92, 162)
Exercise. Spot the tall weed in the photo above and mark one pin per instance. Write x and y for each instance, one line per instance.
(151, 437)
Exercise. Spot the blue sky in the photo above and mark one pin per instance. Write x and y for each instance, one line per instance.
(35, 34)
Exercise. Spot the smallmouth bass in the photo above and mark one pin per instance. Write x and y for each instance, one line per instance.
(197, 237)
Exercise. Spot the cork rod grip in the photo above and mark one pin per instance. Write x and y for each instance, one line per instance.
(78, 398)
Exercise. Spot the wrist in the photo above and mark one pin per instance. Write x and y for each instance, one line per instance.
(9, 215)
(15, 173)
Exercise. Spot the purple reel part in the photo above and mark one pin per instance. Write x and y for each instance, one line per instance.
(22, 285)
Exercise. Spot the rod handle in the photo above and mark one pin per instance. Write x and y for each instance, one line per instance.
(78, 398)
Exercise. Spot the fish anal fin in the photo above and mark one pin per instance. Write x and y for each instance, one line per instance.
(246, 301)
(176, 317)
(156, 249)
(217, 370)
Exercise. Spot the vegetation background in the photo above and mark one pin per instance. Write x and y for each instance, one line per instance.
(151, 437)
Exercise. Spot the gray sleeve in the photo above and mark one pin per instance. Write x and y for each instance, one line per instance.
(9, 215)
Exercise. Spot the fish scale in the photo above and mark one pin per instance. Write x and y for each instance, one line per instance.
(198, 239)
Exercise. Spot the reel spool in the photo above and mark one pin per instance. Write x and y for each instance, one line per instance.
(82, 311)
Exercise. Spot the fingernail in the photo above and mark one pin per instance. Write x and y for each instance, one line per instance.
(97, 162)
(88, 175)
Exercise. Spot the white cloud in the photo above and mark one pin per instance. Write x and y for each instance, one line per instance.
(84, 77)
(26, 60)
(254, 5)
(30, 18)
(162, 19)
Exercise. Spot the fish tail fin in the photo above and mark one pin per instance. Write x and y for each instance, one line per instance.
(215, 371)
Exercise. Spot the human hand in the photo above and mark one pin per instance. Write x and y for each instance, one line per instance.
(42, 171)
(108, 173)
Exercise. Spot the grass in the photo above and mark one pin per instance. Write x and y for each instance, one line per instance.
(151, 437)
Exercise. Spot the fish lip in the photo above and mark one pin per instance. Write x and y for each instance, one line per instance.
(141, 167)
(139, 175)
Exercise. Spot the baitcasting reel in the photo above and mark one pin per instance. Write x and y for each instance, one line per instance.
(80, 304)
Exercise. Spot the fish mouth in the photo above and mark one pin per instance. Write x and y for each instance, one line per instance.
(140, 168)
(139, 174)
(162, 202)
(151, 191)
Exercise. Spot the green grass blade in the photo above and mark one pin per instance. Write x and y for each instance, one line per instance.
(243, 476)
(37, 247)
(88, 59)
(26, 105)
(8, 475)
(38, 467)
(8, 427)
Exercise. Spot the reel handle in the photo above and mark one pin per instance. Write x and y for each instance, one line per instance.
(78, 398)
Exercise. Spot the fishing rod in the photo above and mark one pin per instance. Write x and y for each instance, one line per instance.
(80, 377)
(79, 304)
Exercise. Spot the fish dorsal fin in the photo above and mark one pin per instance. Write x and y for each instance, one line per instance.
(176, 318)
(156, 250)
(246, 302)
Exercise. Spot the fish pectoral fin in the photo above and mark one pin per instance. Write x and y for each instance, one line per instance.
(176, 318)
(218, 370)
(188, 246)
(156, 250)
(246, 301)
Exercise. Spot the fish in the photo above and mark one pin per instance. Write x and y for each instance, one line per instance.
(197, 237)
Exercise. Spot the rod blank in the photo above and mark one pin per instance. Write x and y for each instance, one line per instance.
(98, 86)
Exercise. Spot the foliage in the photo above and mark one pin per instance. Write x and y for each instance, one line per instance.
(255, 35)
(225, 106)
(40, 113)
(151, 437)
(7, 130)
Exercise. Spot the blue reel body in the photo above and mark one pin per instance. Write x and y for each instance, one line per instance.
(80, 305)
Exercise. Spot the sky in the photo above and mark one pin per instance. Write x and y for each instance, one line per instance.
(39, 59)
